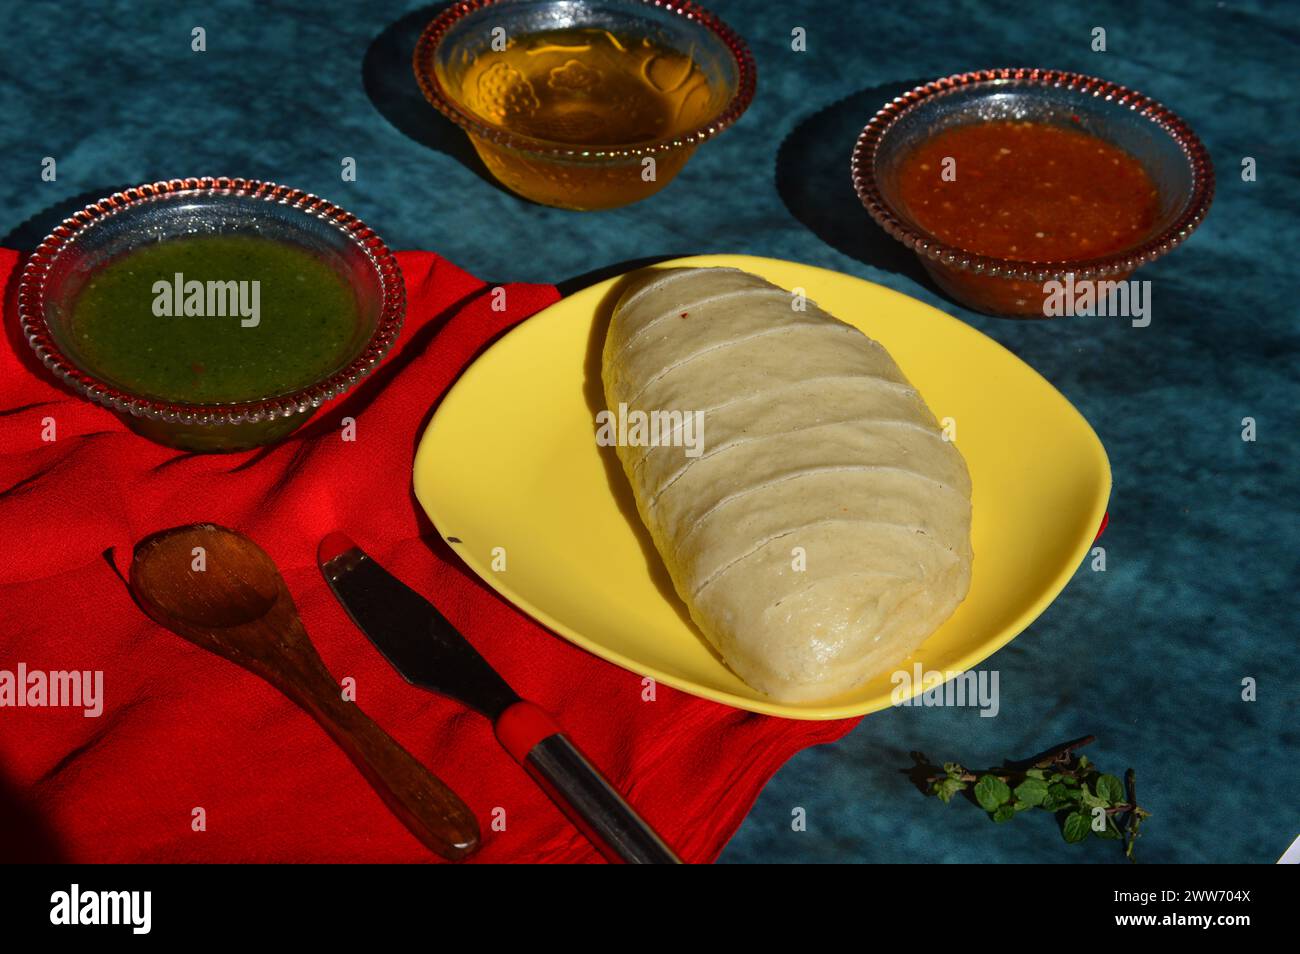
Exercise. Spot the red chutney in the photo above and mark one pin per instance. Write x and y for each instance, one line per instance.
(1028, 191)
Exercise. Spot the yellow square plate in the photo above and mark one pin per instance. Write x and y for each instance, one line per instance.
(510, 461)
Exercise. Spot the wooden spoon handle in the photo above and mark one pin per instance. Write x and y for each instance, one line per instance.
(420, 800)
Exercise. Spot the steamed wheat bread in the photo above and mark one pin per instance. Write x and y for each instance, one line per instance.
(820, 531)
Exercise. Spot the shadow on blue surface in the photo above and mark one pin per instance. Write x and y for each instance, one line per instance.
(814, 182)
(29, 233)
(390, 84)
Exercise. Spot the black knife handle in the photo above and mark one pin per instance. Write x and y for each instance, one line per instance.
(578, 789)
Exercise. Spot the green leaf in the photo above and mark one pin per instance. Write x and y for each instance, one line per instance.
(947, 788)
(1031, 792)
(1062, 795)
(1112, 831)
(1076, 827)
(1111, 789)
(1089, 800)
(1068, 785)
(991, 791)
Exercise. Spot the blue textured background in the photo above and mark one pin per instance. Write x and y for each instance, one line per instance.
(1202, 544)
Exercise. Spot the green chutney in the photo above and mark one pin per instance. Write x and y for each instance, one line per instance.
(182, 320)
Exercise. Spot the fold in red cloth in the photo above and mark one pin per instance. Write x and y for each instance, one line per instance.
(194, 759)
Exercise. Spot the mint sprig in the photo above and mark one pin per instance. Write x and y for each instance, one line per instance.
(1059, 781)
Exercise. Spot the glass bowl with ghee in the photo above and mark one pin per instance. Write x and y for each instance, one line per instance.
(1031, 192)
(584, 104)
(213, 314)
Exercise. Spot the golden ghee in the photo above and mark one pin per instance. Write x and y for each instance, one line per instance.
(592, 91)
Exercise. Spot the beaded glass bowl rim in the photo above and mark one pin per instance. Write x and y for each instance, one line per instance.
(1118, 263)
(31, 305)
(447, 104)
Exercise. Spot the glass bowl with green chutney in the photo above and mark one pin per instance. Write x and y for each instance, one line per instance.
(213, 314)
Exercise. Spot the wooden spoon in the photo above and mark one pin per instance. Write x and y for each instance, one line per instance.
(218, 589)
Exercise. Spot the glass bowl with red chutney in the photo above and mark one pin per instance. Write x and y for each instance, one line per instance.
(1011, 184)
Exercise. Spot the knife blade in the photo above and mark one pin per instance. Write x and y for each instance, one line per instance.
(429, 652)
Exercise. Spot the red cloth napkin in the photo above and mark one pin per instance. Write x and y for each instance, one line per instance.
(183, 730)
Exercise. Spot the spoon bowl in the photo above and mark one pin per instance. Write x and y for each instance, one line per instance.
(240, 586)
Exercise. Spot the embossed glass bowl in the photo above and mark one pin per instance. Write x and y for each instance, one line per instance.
(1175, 159)
(570, 175)
(145, 214)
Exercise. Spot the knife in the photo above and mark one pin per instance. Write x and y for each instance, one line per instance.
(430, 653)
